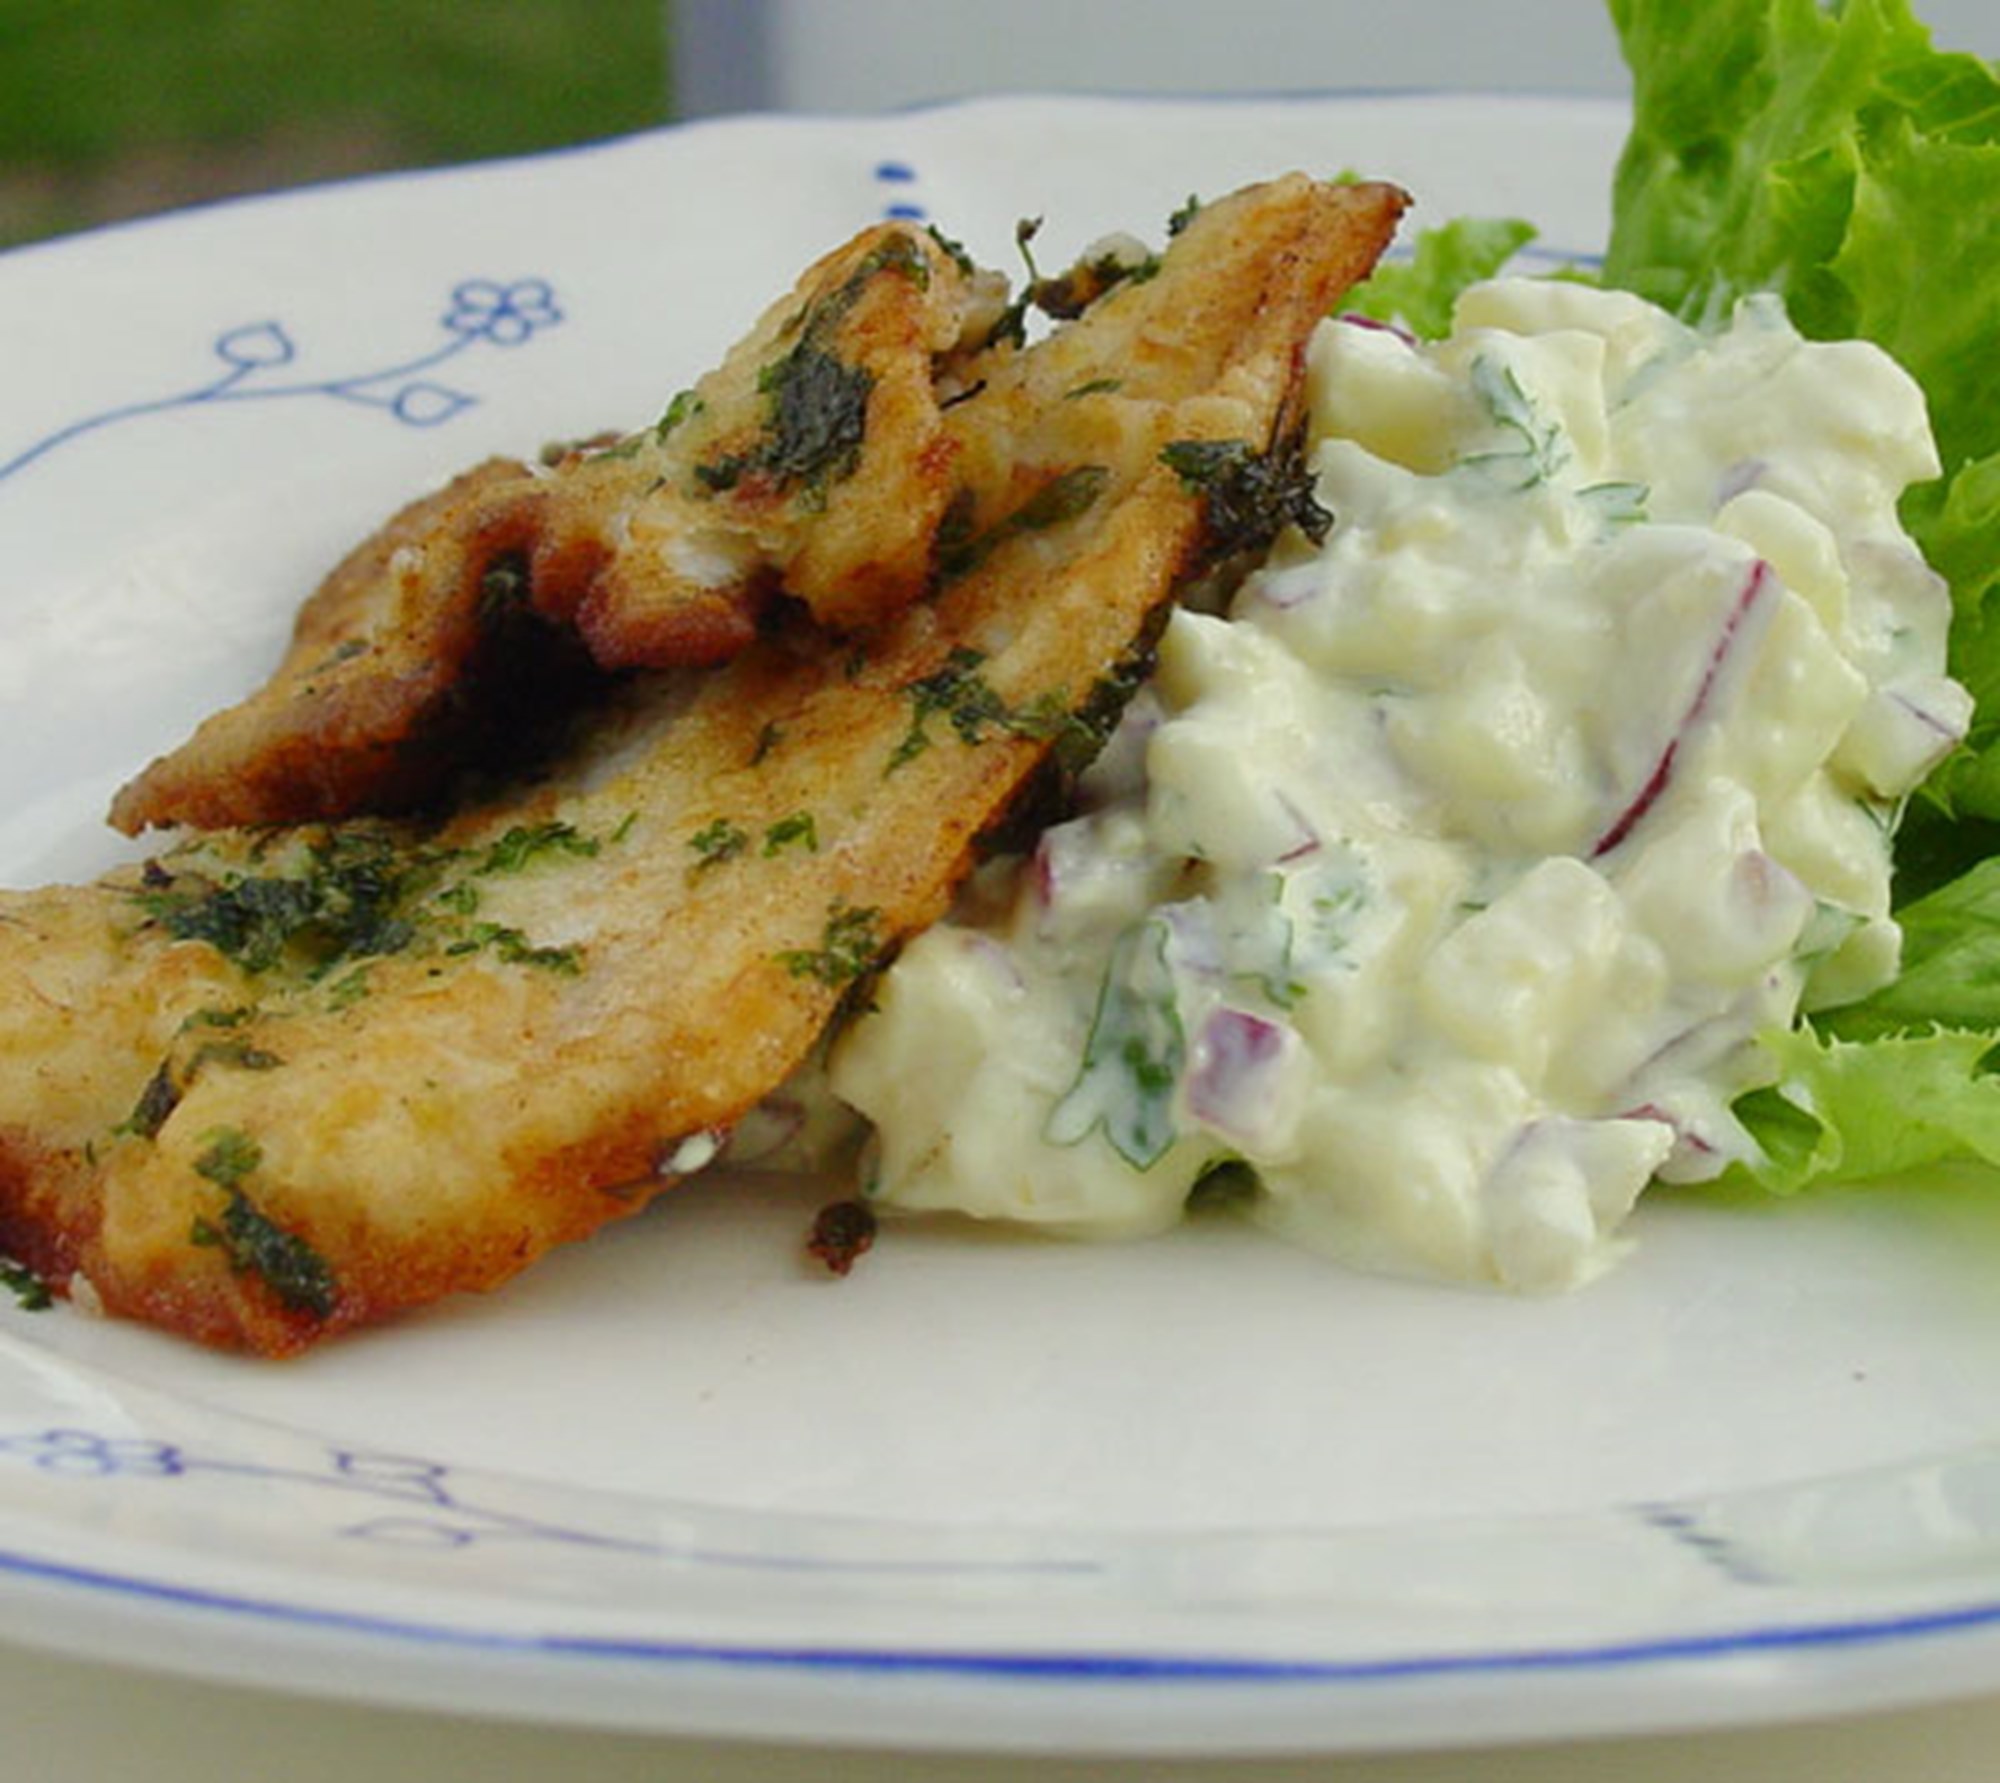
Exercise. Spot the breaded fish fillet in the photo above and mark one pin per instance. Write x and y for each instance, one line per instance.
(812, 460)
(276, 1084)
(414, 656)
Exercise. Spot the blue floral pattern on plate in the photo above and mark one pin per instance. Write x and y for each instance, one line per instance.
(258, 360)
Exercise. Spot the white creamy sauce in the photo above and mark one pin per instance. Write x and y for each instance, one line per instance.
(1447, 882)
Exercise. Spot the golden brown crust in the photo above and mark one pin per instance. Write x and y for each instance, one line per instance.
(274, 1086)
(361, 712)
(659, 549)
(814, 460)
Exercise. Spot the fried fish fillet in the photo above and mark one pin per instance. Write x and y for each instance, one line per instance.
(813, 459)
(412, 657)
(273, 1085)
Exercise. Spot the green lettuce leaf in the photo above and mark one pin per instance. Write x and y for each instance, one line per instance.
(1951, 965)
(1901, 1079)
(1417, 293)
(1858, 1111)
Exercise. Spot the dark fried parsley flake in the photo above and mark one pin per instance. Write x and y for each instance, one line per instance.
(340, 906)
(156, 1101)
(1251, 496)
(1069, 495)
(528, 842)
(164, 1089)
(359, 893)
(253, 1242)
(796, 831)
(282, 1260)
(1069, 294)
(717, 842)
(850, 947)
(31, 1293)
(841, 1233)
(957, 692)
(819, 413)
(768, 739)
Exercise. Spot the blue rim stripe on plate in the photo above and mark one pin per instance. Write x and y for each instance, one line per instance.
(1054, 1665)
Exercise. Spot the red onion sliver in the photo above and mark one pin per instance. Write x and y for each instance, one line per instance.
(1235, 1059)
(1656, 782)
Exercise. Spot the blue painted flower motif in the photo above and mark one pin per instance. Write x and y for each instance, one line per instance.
(424, 1505)
(506, 315)
(86, 1453)
(403, 1475)
(898, 174)
(255, 345)
(424, 404)
(413, 1532)
(259, 363)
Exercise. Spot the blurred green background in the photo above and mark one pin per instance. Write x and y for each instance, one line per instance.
(115, 108)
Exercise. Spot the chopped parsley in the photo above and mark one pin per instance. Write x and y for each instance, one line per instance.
(954, 251)
(1069, 294)
(796, 831)
(1066, 496)
(353, 895)
(238, 1053)
(1086, 730)
(30, 1292)
(228, 1155)
(252, 1241)
(165, 1088)
(348, 989)
(1133, 1056)
(816, 412)
(160, 1097)
(342, 904)
(516, 949)
(959, 693)
(529, 842)
(256, 1245)
(461, 899)
(849, 947)
(684, 407)
(899, 254)
(717, 842)
(818, 415)
(1249, 496)
(1536, 448)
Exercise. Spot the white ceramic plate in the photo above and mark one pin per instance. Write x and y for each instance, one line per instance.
(1200, 1493)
